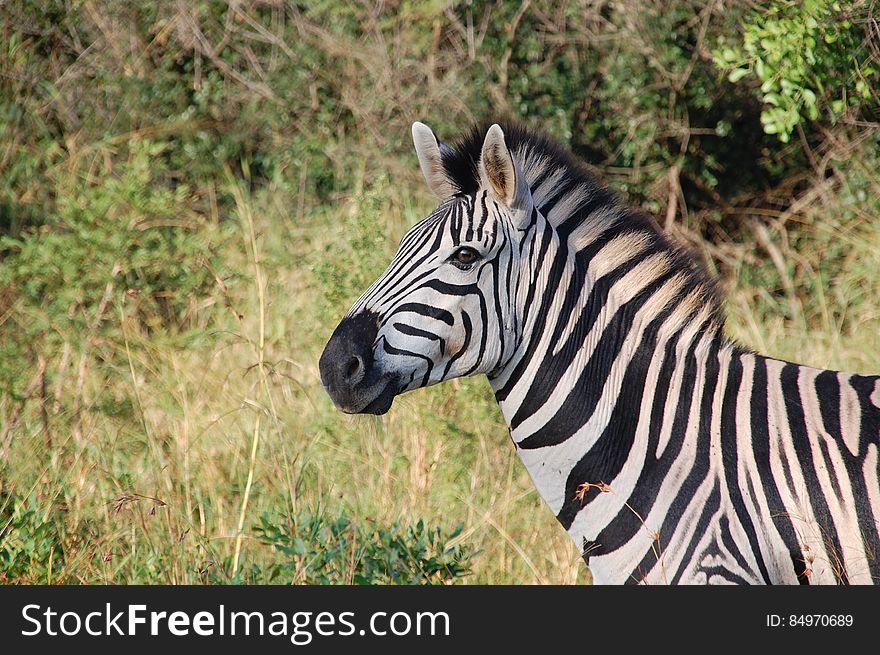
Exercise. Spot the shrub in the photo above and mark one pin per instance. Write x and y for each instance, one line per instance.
(812, 59)
(315, 548)
(31, 546)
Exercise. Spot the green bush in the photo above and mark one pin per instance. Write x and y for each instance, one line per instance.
(812, 58)
(347, 266)
(319, 549)
(31, 541)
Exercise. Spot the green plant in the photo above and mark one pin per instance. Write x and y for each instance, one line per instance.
(315, 548)
(811, 59)
(31, 541)
(360, 251)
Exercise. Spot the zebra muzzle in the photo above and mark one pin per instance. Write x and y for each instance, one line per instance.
(348, 371)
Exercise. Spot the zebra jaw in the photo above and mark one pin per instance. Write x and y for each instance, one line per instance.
(349, 374)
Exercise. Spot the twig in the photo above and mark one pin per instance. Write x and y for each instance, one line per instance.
(673, 194)
(204, 47)
(259, 350)
(508, 51)
(59, 381)
(44, 410)
(759, 230)
(87, 346)
(706, 16)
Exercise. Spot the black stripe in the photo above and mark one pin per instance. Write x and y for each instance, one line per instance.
(483, 220)
(425, 310)
(392, 350)
(730, 434)
(496, 301)
(484, 323)
(829, 466)
(732, 547)
(801, 442)
(468, 329)
(760, 418)
(448, 288)
(512, 293)
(799, 563)
(827, 386)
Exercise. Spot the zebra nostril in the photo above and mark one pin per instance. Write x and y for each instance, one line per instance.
(353, 367)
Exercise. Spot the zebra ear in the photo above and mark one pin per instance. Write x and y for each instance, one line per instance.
(429, 150)
(498, 171)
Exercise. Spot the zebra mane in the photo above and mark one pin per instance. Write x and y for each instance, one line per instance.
(578, 203)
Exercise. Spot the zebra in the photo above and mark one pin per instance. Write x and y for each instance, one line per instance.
(669, 453)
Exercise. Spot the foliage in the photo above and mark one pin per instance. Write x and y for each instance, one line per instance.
(347, 266)
(319, 549)
(811, 59)
(31, 541)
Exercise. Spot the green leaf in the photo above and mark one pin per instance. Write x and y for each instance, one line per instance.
(737, 74)
(809, 97)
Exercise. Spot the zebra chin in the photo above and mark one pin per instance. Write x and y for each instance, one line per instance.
(366, 401)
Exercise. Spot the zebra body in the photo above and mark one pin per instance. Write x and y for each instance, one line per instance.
(669, 453)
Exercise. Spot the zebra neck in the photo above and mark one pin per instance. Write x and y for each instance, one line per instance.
(582, 410)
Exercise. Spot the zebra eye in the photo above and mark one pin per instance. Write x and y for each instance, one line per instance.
(465, 257)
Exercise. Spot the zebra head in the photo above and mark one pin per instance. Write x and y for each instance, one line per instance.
(444, 307)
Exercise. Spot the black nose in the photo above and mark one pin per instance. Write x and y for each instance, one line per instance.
(346, 365)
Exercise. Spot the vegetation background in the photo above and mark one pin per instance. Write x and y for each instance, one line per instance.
(192, 192)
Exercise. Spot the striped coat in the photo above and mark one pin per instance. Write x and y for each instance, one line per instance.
(669, 453)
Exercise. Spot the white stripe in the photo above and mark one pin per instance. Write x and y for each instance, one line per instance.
(774, 552)
(850, 413)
